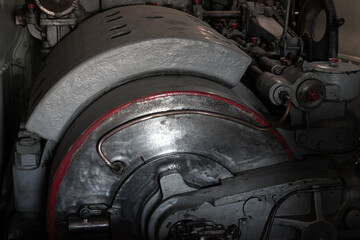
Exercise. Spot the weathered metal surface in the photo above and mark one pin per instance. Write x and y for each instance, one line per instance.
(342, 80)
(251, 200)
(120, 45)
(203, 149)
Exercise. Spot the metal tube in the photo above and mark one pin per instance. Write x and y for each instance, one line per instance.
(182, 112)
(270, 65)
(221, 14)
(254, 71)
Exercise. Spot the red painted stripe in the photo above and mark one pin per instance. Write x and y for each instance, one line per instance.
(60, 172)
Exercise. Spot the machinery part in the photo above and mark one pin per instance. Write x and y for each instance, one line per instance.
(57, 8)
(92, 210)
(156, 95)
(183, 5)
(32, 23)
(326, 46)
(160, 145)
(202, 230)
(292, 45)
(311, 93)
(278, 16)
(352, 219)
(286, 24)
(118, 168)
(28, 174)
(94, 224)
(51, 29)
(307, 90)
(95, 210)
(254, 207)
(27, 155)
(319, 228)
(228, 207)
(272, 86)
(342, 80)
(221, 14)
(271, 65)
(259, 23)
(58, 97)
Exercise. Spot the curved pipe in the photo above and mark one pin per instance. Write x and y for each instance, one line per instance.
(116, 168)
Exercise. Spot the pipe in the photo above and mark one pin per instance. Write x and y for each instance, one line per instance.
(221, 14)
(116, 168)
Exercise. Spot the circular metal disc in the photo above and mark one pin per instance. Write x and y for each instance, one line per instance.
(204, 149)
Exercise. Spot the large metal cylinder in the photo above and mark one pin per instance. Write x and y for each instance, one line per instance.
(120, 45)
(121, 68)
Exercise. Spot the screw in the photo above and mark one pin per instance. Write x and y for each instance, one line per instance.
(85, 213)
(244, 222)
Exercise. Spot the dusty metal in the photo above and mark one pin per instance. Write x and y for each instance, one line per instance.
(189, 143)
(130, 42)
(311, 93)
(342, 81)
(244, 202)
(160, 97)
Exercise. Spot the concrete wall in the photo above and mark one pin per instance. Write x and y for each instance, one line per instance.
(350, 32)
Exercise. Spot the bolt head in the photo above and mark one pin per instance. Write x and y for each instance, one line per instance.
(31, 6)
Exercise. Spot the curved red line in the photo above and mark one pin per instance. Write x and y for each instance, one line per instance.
(60, 172)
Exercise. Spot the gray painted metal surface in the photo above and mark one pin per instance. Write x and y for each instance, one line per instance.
(123, 44)
(204, 168)
(226, 204)
(203, 149)
(337, 83)
(342, 81)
